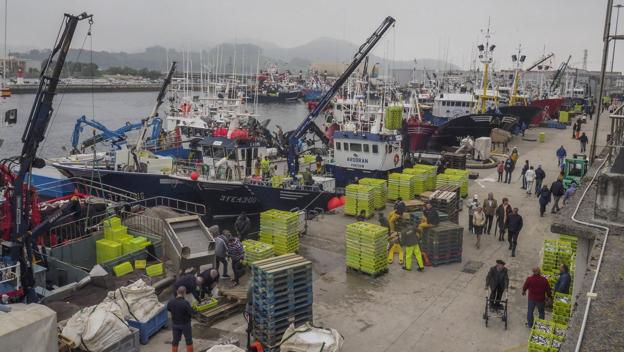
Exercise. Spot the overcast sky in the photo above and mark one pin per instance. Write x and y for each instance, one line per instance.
(424, 29)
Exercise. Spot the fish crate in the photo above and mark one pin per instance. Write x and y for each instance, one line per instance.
(430, 172)
(401, 185)
(380, 190)
(150, 327)
(573, 240)
(455, 161)
(464, 175)
(366, 247)
(539, 341)
(281, 230)
(256, 250)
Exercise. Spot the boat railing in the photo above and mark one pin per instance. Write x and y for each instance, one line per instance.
(172, 203)
(616, 137)
(209, 172)
(74, 230)
(282, 185)
(91, 187)
(138, 222)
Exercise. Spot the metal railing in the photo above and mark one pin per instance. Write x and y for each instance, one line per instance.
(290, 186)
(91, 187)
(141, 223)
(173, 203)
(75, 230)
(616, 137)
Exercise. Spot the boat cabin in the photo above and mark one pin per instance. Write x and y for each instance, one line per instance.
(454, 105)
(367, 151)
(230, 159)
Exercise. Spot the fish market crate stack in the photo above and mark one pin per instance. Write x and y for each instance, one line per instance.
(420, 180)
(464, 174)
(443, 243)
(546, 336)
(366, 250)
(430, 172)
(562, 308)
(379, 189)
(401, 185)
(446, 202)
(281, 295)
(280, 229)
(360, 197)
(256, 250)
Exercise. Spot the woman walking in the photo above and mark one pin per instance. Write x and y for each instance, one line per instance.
(478, 222)
(544, 199)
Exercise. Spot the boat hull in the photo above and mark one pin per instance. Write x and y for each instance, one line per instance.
(475, 126)
(289, 199)
(550, 106)
(530, 115)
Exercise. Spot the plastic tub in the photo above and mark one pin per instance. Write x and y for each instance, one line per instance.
(152, 326)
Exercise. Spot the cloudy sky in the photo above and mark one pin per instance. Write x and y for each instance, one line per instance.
(424, 29)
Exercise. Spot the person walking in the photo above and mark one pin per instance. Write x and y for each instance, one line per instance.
(540, 175)
(525, 168)
(242, 225)
(557, 190)
(509, 167)
(514, 226)
(500, 168)
(529, 177)
(236, 253)
(578, 129)
(574, 130)
(502, 215)
(221, 253)
(544, 199)
(514, 155)
(563, 283)
(394, 243)
(497, 281)
(583, 140)
(539, 289)
(561, 155)
(409, 238)
(472, 205)
(489, 208)
(478, 222)
(181, 314)
(569, 193)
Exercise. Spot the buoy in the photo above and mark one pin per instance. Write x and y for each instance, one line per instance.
(343, 200)
(194, 175)
(333, 203)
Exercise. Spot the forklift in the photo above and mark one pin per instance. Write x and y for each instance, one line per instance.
(574, 170)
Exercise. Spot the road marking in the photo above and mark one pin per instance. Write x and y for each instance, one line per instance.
(478, 181)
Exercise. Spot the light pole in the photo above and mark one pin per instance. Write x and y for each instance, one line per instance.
(617, 19)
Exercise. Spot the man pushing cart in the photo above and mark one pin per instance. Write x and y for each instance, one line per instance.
(497, 282)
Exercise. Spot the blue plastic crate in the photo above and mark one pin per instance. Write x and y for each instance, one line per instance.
(152, 326)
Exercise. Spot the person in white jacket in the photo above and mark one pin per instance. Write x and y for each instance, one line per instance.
(530, 178)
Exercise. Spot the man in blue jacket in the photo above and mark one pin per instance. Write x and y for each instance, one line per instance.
(563, 283)
(561, 155)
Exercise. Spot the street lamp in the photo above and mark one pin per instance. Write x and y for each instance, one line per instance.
(617, 19)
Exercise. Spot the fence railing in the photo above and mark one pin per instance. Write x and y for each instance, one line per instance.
(141, 223)
(74, 230)
(173, 203)
(91, 187)
(616, 137)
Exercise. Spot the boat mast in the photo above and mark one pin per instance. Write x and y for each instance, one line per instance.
(485, 56)
(517, 59)
(4, 60)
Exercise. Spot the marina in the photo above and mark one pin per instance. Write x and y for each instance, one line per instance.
(341, 195)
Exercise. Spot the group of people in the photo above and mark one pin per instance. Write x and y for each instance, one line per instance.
(581, 137)
(481, 218)
(405, 238)
(507, 167)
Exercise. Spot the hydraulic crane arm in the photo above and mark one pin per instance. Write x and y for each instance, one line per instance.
(305, 126)
(540, 61)
(116, 137)
(559, 75)
(38, 120)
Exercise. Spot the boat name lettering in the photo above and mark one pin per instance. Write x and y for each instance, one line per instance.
(238, 200)
(358, 160)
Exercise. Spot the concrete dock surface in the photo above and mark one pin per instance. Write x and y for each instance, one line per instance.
(441, 308)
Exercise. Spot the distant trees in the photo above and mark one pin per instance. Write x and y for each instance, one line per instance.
(91, 70)
(129, 71)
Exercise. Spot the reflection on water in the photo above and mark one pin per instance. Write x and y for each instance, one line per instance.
(112, 110)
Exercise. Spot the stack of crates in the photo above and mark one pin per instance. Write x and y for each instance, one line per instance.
(420, 180)
(401, 185)
(360, 197)
(393, 119)
(281, 295)
(562, 308)
(380, 191)
(431, 171)
(546, 336)
(443, 243)
(446, 202)
(350, 207)
(255, 250)
(117, 241)
(280, 229)
(443, 180)
(367, 248)
(464, 177)
(549, 260)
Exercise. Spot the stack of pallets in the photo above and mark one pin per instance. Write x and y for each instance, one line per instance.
(401, 185)
(360, 198)
(367, 248)
(255, 250)
(379, 189)
(280, 229)
(431, 172)
(282, 295)
(443, 243)
(455, 161)
(464, 178)
(445, 180)
(446, 202)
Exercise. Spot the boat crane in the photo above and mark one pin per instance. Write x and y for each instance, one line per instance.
(308, 124)
(34, 134)
(117, 137)
(559, 75)
(539, 61)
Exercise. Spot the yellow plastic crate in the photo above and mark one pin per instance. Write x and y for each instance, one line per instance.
(106, 250)
(122, 269)
(205, 305)
(155, 270)
(140, 264)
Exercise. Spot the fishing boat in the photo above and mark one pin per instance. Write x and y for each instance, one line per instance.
(550, 106)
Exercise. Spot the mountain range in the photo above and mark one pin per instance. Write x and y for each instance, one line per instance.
(239, 58)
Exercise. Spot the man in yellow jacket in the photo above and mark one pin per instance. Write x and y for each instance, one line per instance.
(410, 239)
(395, 246)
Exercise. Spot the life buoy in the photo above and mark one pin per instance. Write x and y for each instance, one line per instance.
(396, 159)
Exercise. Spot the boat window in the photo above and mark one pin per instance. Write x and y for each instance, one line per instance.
(366, 150)
(218, 152)
(346, 146)
(337, 145)
(255, 153)
(207, 151)
(356, 147)
(375, 149)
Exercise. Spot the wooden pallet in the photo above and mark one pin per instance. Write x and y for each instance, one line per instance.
(228, 307)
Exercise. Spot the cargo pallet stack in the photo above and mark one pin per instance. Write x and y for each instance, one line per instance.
(546, 336)
(360, 197)
(420, 180)
(394, 118)
(255, 250)
(431, 172)
(367, 248)
(280, 229)
(443, 243)
(445, 180)
(401, 185)
(464, 177)
(557, 252)
(446, 202)
(380, 190)
(455, 161)
(281, 295)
